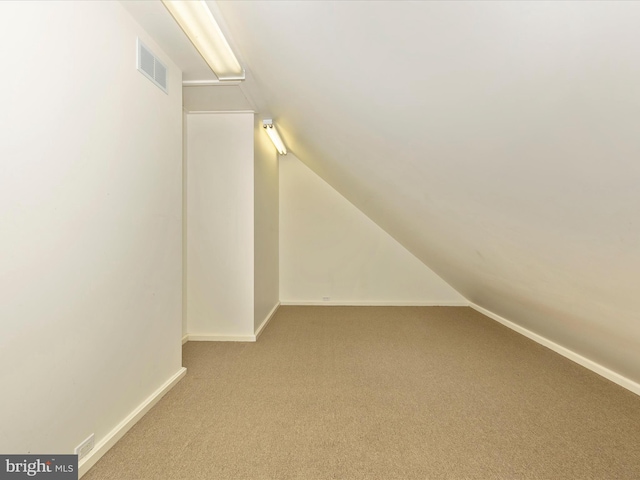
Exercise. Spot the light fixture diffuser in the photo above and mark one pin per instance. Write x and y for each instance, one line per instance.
(197, 22)
(273, 135)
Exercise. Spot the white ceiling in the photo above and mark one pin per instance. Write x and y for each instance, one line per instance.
(497, 141)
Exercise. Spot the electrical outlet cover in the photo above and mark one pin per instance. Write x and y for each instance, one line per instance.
(85, 447)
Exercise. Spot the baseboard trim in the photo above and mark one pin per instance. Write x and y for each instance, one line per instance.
(221, 338)
(267, 320)
(565, 352)
(185, 338)
(123, 427)
(461, 303)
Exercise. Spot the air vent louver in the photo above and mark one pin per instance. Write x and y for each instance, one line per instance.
(151, 67)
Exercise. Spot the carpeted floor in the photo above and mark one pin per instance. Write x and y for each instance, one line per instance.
(382, 393)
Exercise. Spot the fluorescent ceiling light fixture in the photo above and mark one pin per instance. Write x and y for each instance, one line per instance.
(273, 135)
(196, 20)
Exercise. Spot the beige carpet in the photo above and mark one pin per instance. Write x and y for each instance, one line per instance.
(382, 393)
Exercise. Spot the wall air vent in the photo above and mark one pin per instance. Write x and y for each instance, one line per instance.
(151, 67)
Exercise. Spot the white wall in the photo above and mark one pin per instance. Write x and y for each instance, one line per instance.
(90, 219)
(185, 328)
(220, 225)
(329, 248)
(266, 294)
(215, 98)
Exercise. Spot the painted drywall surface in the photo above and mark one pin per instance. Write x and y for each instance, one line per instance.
(215, 99)
(497, 141)
(90, 188)
(220, 224)
(266, 290)
(159, 24)
(328, 248)
(185, 328)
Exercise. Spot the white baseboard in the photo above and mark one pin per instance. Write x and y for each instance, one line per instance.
(123, 427)
(206, 337)
(461, 303)
(565, 352)
(267, 320)
(220, 338)
(185, 338)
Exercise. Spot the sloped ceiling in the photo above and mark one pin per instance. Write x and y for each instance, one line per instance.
(498, 141)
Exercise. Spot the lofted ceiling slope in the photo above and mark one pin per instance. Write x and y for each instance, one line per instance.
(498, 141)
